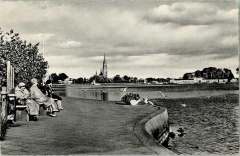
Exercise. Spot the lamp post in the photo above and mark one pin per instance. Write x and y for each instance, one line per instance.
(43, 57)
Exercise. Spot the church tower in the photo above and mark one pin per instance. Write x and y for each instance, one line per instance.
(104, 67)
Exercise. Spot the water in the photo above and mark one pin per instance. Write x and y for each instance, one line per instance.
(115, 94)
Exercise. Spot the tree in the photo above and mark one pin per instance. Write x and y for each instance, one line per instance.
(135, 79)
(80, 80)
(219, 73)
(187, 76)
(62, 76)
(95, 78)
(150, 79)
(84, 80)
(23, 56)
(126, 78)
(228, 74)
(103, 79)
(55, 77)
(117, 79)
(198, 73)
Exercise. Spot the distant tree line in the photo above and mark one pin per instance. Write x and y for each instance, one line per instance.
(210, 73)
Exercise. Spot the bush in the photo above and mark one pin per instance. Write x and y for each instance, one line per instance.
(128, 97)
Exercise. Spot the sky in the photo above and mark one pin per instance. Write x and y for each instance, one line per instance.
(140, 39)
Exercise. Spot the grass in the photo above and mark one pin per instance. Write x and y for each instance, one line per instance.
(211, 123)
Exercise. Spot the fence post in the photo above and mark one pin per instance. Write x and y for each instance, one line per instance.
(8, 76)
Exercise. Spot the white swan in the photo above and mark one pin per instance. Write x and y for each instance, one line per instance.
(147, 102)
(184, 105)
(150, 102)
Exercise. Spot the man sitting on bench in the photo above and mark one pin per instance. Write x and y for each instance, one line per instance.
(50, 93)
(38, 96)
(23, 98)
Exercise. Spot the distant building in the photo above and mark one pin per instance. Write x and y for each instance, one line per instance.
(105, 67)
(104, 71)
(68, 81)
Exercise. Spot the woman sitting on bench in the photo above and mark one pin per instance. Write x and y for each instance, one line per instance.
(23, 98)
(50, 93)
(38, 96)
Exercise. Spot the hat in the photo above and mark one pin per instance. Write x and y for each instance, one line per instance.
(21, 84)
(34, 80)
(48, 81)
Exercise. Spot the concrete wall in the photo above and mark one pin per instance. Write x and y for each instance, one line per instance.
(154, 127)
(157, 127)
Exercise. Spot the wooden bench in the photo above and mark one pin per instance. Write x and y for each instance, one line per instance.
(19, 111)
(43, 111)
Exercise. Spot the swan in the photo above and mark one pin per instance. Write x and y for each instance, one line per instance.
(148, 102)
(184, 105)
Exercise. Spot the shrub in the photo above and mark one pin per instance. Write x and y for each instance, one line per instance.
(128, 97)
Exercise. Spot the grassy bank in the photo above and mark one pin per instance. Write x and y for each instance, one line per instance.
(211, 124)
(190, 87)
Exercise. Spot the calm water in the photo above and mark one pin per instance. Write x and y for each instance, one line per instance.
(115, 94)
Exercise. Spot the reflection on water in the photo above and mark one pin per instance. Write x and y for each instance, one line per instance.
(114, 94)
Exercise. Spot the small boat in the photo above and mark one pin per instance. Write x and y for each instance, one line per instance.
(97, 84)
(124, 89)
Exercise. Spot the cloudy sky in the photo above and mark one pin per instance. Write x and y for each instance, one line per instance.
(143, 39)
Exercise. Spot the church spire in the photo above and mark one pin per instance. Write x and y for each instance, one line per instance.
(104, 60)
(104, 66)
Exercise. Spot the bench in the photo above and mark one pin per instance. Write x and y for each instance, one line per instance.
(19, 111)
(43, 111)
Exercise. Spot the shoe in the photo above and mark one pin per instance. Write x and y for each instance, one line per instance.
(56, 110)
(53, 115)
(34, 118)
(61, 108)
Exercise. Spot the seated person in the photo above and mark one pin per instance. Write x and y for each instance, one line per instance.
(23, 98)
(50, 93)
(38, 96)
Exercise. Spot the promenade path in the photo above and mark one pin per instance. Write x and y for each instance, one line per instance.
(83, 127)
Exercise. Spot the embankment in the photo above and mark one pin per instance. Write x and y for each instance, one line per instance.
(153, 131)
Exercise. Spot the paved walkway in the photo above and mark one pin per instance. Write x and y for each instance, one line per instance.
(83, 127)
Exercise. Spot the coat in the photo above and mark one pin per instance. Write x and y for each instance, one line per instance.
(23, 98)
(37, 95)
